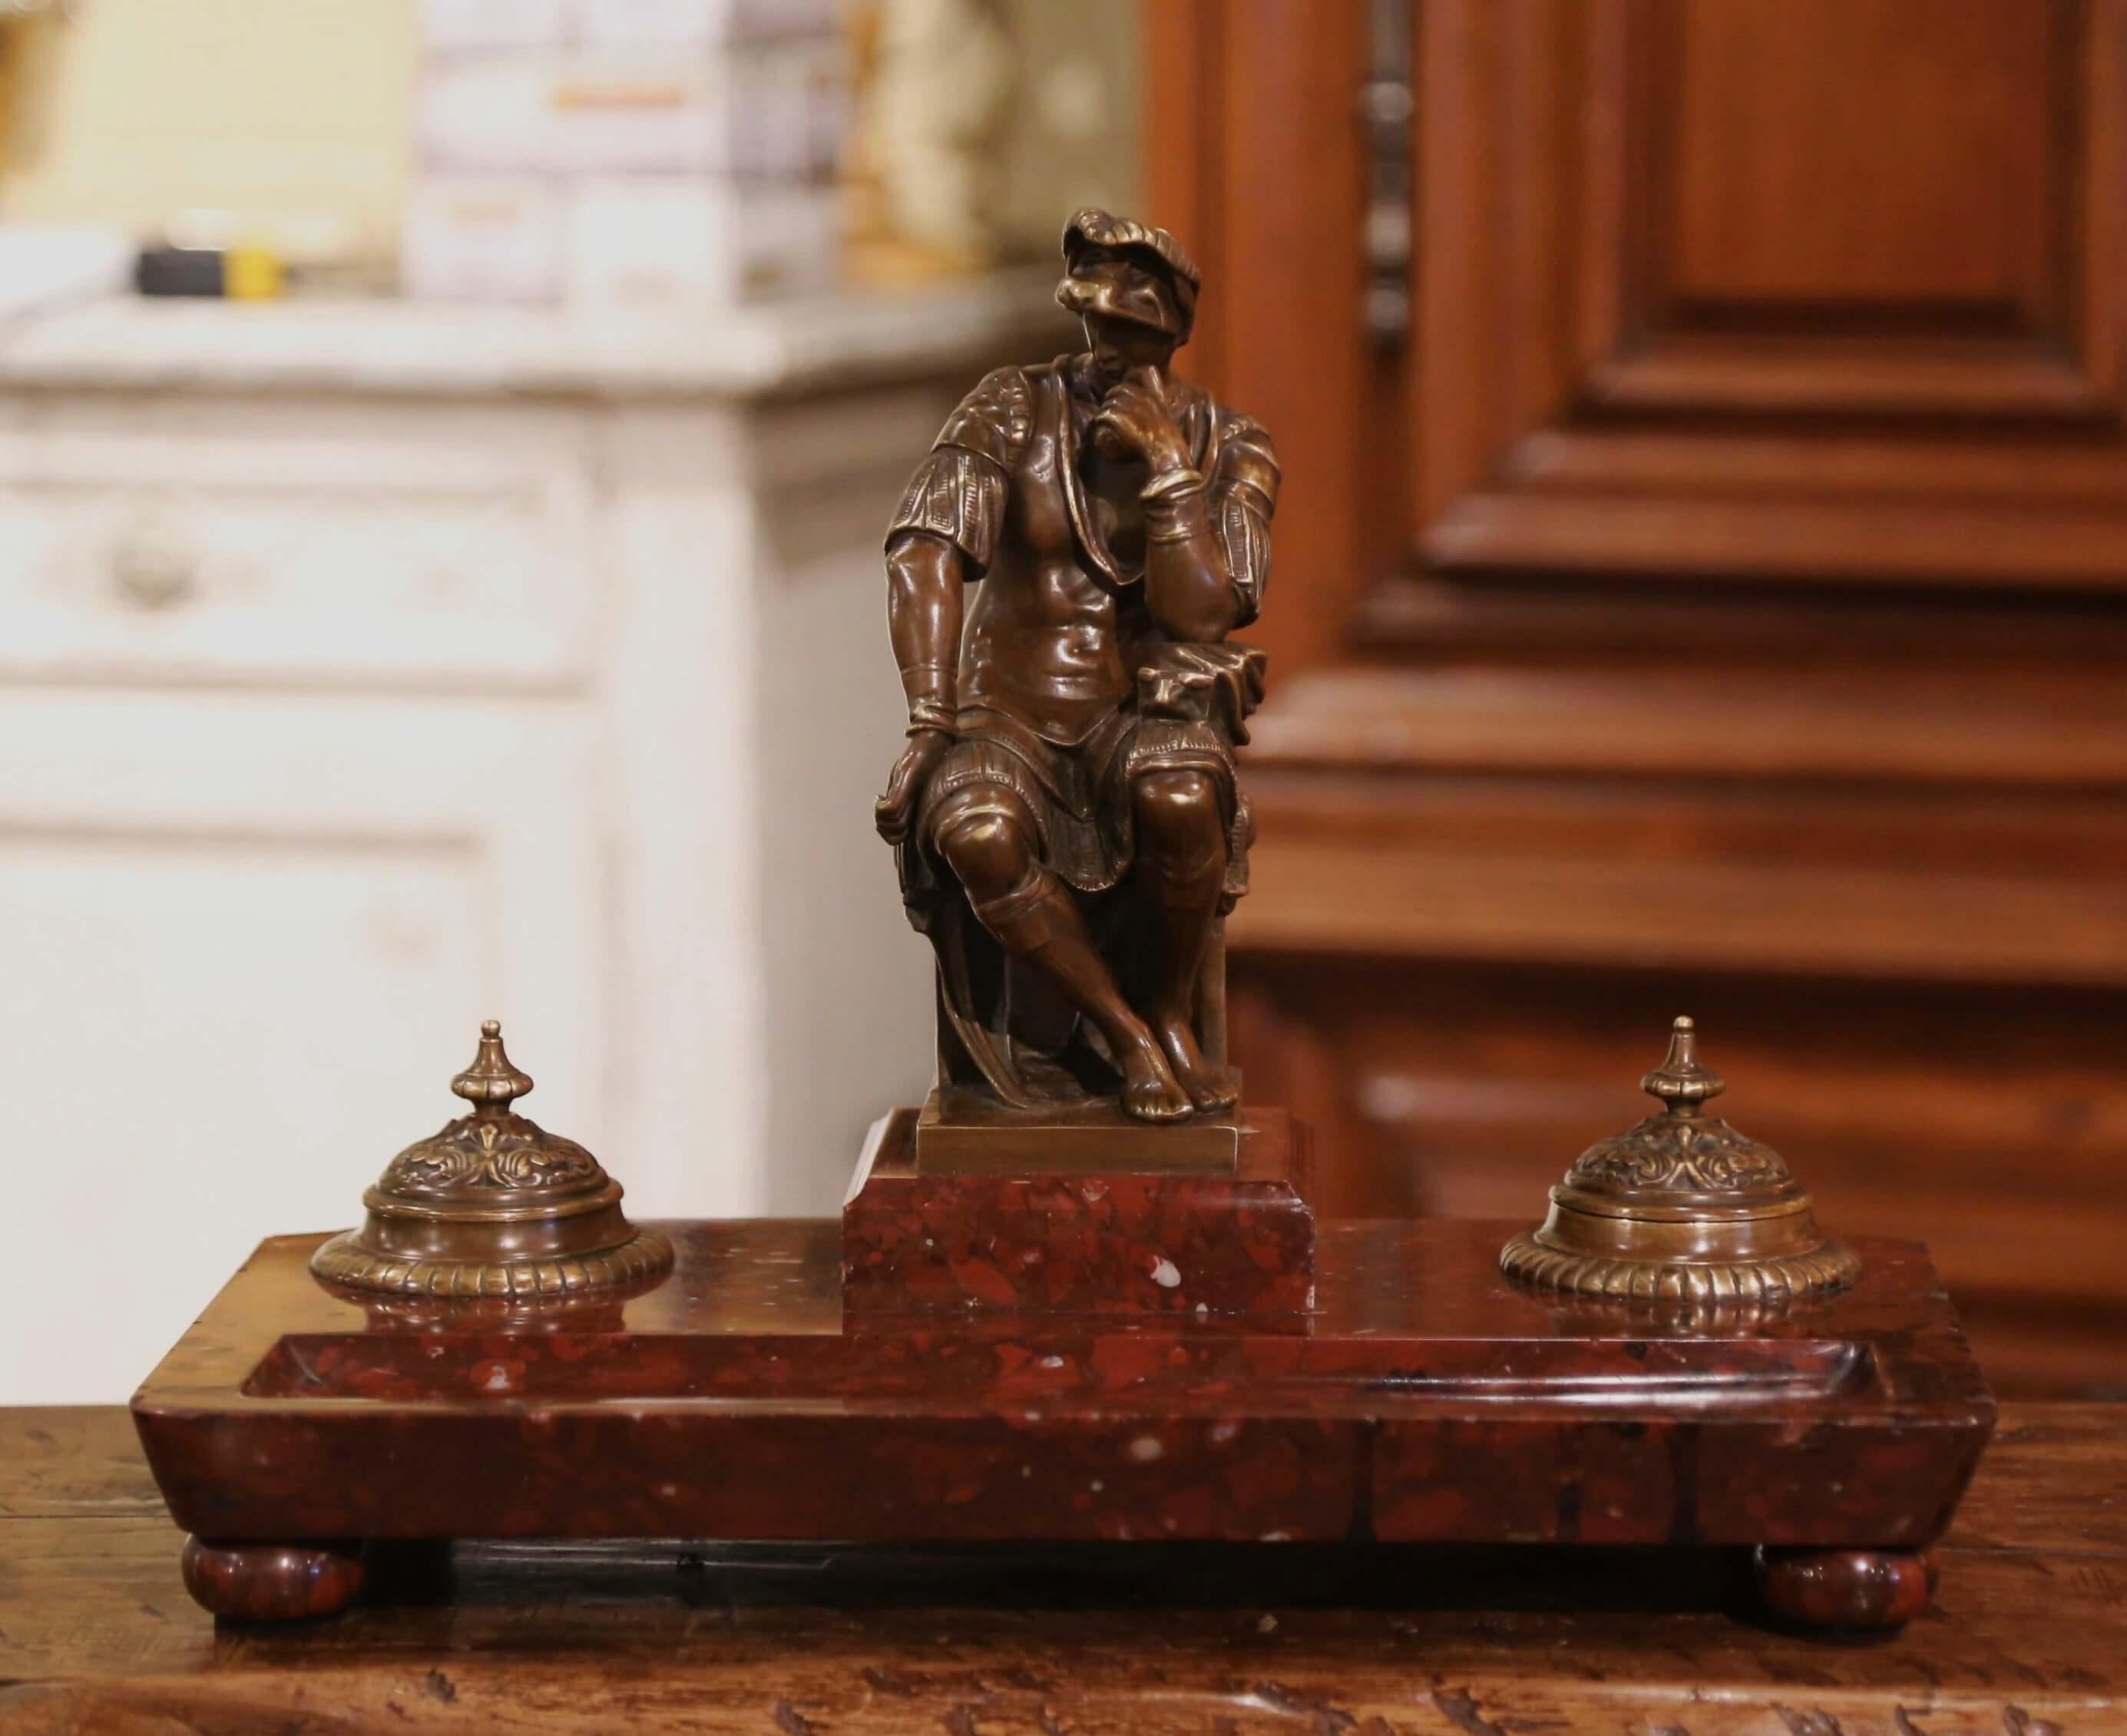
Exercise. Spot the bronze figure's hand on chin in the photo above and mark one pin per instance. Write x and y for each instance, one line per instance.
(1134, 416)
(896, 809)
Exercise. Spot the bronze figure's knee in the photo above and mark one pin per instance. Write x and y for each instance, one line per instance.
(990, 848)
(1178, 813)
(987, 851)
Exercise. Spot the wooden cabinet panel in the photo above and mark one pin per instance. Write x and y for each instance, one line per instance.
(1717, 604)
(1703, 219)
(1916, 885)
(1255, 160)
(1859, 155)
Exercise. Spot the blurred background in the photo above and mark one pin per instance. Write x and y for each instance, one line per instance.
(443, 448)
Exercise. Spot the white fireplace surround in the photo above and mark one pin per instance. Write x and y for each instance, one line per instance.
(368, 670)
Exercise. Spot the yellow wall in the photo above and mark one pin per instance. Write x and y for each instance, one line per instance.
(138, 111)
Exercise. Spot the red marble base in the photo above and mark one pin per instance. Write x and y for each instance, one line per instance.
(1187, 1244)
(1426, 1399)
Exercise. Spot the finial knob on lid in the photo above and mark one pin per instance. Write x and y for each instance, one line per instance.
(1681, 1207)
(494, 1206)
(492, 1079)
(1680, 1082)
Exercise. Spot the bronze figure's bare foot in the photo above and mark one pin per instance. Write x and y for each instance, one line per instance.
(1211, 1089)
(1150, 1090)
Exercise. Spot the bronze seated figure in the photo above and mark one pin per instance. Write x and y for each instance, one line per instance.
(1069, 829)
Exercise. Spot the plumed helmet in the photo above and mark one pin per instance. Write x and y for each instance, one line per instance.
(1170, 305)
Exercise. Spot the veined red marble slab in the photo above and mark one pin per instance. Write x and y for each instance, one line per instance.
(1179, 1243)
(1425, 1398)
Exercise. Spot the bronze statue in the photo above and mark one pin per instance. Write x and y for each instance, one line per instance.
(1068, 829)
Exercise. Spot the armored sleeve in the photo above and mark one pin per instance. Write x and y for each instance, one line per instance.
(1244, 496)
(958, 491)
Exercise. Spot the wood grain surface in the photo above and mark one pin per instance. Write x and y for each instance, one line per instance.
(1717, 603)
(2028, 1636)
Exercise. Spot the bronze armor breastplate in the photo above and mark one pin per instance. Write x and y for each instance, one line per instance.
(1047, 640)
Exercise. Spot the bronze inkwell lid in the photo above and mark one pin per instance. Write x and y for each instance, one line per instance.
(496, 1207)
(1681, 1208)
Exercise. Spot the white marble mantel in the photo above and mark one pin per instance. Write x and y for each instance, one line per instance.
(368, 669)
(389, 347)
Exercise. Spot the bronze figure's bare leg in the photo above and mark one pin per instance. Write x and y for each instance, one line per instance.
(1181, 859)
(987, 837)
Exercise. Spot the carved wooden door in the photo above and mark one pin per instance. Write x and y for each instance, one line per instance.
(1713, 601)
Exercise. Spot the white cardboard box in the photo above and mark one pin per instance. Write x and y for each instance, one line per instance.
(483, 239)
(678, 241)
(774, 110)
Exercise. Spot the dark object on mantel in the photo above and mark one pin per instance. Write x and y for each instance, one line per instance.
(1680, 1208)
(494, 1206)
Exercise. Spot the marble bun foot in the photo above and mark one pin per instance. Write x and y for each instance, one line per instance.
(272, 1582)
(1853, 1589)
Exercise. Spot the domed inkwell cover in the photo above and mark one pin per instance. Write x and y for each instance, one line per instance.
(1681, 1208)
(494, 1206)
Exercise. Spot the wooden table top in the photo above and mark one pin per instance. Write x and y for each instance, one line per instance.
(2027, 1636)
